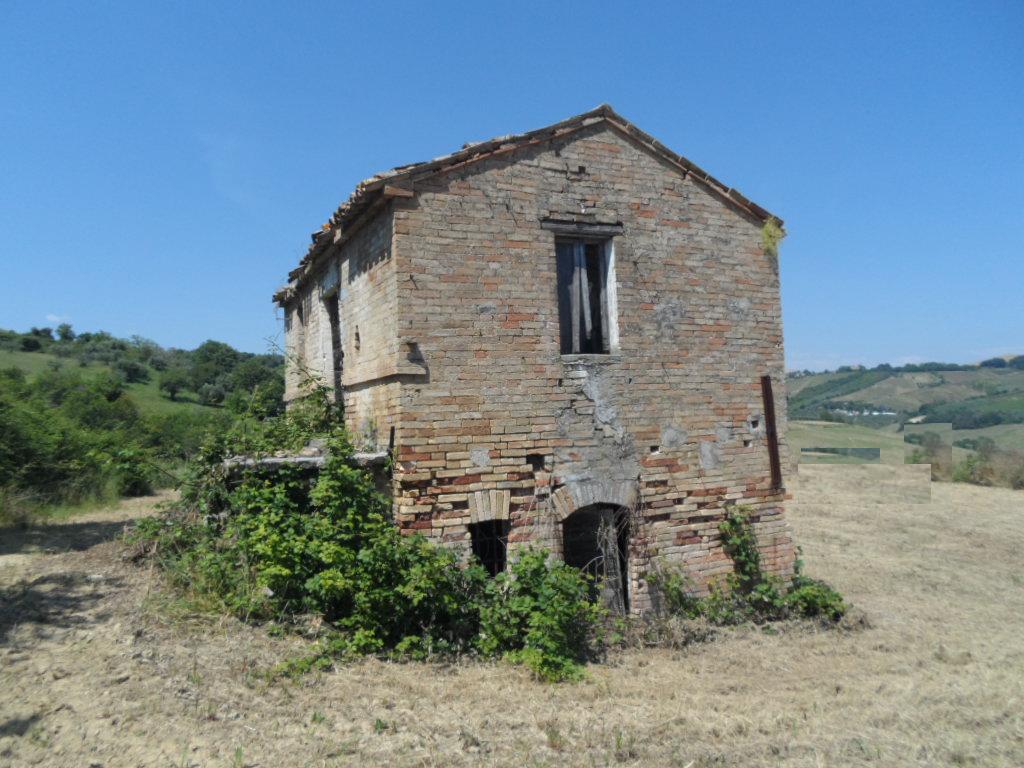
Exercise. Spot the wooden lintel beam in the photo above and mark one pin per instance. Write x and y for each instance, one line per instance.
(391, 191)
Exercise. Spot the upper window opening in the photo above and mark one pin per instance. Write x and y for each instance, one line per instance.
(585, 296)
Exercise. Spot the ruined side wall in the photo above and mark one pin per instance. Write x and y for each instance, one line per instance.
(671, 424)
(360, 273)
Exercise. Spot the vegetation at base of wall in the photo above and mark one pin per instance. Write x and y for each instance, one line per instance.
(278, 545)
(747, 594)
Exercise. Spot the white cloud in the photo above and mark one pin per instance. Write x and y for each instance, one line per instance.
(52, 318)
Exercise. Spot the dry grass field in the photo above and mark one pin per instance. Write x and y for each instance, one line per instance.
(99, 667)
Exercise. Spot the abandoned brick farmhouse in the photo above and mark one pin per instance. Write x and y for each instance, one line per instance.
(570, 337)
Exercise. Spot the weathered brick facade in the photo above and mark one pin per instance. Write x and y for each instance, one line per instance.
(448, 320)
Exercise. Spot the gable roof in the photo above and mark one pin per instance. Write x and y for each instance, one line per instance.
(398, 182)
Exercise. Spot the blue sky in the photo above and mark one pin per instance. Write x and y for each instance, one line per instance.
(162, 164)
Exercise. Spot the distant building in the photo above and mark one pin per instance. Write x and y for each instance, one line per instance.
(572, 336)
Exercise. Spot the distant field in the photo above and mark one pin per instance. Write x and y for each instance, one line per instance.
(795, 386)
(147, 396)
(976, 392)
(827, 434)
(37, 362)
(1007, 436)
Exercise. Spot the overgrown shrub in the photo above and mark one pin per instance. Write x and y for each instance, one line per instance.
(541, 614)
(68, 438)
(974, 469)
(747, 594)
(275, 545)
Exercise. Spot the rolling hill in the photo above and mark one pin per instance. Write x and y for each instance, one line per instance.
(970, 399)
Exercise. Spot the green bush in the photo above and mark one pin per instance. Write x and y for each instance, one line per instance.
(747, 594)
(973, 469)
(1017, 478)
(270, 545)
(541, 615)
(813, 598)
(68, 438)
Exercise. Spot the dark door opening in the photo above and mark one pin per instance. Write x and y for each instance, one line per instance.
(490, 544)
(595, 539)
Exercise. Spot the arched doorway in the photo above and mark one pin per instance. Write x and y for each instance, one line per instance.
(595, 539)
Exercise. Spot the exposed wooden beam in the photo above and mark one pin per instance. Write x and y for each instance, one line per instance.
(393, 191)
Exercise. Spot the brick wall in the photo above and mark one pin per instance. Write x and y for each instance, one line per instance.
(359, 274)
(671, 424)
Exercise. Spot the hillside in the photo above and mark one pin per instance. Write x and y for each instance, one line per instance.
(88, 417)
(160, 379)
(970, 399)
(146, 395)
(870, 408)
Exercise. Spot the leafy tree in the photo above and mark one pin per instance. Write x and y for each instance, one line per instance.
(250, 373)
(212, 362)
(211, 394)
(133, 371)
(174, 381)
(30, 344)
(65, 332)
(1017, 362)
(994, 362)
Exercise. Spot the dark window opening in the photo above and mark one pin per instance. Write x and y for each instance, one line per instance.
(595, 540)
(583, 276)
(490, 544)
(771, 432)
(655, 448)
(337, 354)
(536, 461)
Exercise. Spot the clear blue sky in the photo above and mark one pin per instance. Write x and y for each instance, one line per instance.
(162, 164)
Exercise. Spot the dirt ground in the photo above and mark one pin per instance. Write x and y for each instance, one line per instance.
(98, 666)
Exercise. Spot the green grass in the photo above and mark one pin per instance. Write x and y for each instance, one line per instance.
(37, 362)
(1006, 436)
(148, 397)
(151, 400)
(826, 434)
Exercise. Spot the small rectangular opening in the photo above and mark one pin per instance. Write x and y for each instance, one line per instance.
(490, 544)
(771, 432)
(536, 461)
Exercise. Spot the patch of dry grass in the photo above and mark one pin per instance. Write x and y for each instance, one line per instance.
(935, 679)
